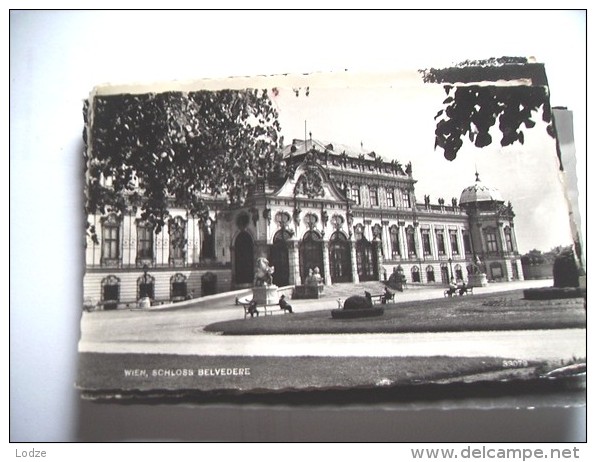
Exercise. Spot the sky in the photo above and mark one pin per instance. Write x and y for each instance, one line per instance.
(396, 119)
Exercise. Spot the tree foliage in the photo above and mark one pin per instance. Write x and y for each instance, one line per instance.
(471, 110)
(161, 149)
(565, 270)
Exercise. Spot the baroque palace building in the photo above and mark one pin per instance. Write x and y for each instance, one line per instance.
(351, 214)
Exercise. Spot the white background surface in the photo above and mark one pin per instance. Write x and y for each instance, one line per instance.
(56, 57)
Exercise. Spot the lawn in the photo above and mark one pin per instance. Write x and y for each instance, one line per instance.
(502, 311)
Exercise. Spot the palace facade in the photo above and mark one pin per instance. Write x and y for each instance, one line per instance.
(351, 214)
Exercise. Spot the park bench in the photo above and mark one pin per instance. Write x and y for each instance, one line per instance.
(377, 299)
(264, 308)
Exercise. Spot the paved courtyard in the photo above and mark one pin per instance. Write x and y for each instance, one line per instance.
(178, 329)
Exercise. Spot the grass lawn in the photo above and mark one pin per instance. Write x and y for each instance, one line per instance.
(501, 311)
(101, 371)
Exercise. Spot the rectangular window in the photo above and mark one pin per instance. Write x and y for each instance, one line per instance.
(491, 241)
(411, 243)
(426, 243)
(355, 194)
(111, 245)
(440, 242)
(390, 198)
(454, 244)
(144, 242)
(406, 199)
(374, 197)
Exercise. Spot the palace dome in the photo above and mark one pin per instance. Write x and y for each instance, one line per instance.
(479, 192)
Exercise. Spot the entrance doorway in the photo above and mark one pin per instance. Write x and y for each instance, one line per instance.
(244, 271)
(366, 259)
(311, 254)
(340, 258)
(279, 259)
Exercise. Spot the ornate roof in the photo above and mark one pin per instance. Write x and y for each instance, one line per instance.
(479, 192)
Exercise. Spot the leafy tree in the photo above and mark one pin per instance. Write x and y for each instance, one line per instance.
(471, 109)
(161, 149)
(565, 269)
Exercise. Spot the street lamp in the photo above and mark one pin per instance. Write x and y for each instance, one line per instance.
(450, 268)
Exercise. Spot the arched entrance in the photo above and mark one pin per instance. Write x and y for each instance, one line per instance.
(444, 273)
(278, 258)
(311, 254)
(366, 259)
(243, 259)
(340, 261)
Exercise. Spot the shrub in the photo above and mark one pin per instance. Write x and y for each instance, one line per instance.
(357, 302)
(565, 270)
(552, 293)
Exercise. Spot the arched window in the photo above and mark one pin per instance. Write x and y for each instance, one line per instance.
(430, 274)
(415, 274)
(110, 292)
(340, 263)
(459, 274)
(243, 258)
(146, 286)
(311, 253)
(178, 287)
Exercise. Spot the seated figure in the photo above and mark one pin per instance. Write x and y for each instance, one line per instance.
(452, 288)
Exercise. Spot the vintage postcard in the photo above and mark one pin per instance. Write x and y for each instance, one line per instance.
(329, 232)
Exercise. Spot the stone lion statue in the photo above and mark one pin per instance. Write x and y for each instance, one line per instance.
(263, 272)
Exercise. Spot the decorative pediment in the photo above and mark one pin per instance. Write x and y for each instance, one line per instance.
(309, 184)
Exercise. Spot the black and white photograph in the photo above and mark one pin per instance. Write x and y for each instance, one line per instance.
(330, 231)
(297, 226)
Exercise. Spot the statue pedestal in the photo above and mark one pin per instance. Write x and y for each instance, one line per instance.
(145, 302)
(477, 280)
(265, 295)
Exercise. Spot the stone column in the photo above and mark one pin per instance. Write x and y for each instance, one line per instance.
(355, 277)
(418, 241)
(434, 245)
(447, 242)
(294, 262)
(513, 239)
(402, 240)
(326, 269)
(386, 240)
(502, 245)
(460, 242)
(379, 261)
